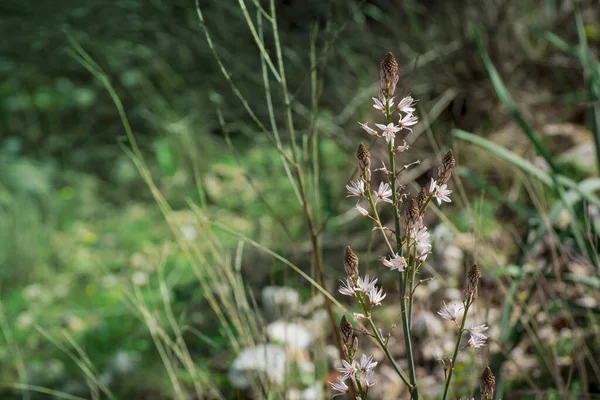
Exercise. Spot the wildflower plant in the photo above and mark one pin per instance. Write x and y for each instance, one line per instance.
(408, 244)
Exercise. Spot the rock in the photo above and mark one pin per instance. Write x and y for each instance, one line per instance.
(279, 301)
(268, 361)
(289, 334)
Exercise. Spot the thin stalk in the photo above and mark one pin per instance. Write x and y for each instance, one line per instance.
(401, 283)
(456, 348)
(381, 342)
(314, 235)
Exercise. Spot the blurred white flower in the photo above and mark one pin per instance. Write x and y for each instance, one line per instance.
(406, 105)
(339, 387)
(376, 296)
(383, 193)
(356, 188)
(361, 210)
(347, 288)
(380, 105)
(388, 131)
(476, 341)
(369, 130)
(139, 278)
(406, 121)
(366, 363)
(365, 284)
(451, 311)
(395, 263)
(441, 193)
(402, 148)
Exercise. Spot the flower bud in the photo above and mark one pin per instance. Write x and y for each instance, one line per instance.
(346, 331)
(388, 74)
(350, 263)
(472, 281)
(448, 164)
(364, 161)
(488, 382)
(413, 210)
(421, 197)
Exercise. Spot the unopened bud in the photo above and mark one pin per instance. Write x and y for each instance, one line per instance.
(354, 344)
(364, 160)
(350, 263)
(472, 281)
(448, 164)
(388, 74)
(487, 384)
(346, 330)
(413, 210)
(421, 197)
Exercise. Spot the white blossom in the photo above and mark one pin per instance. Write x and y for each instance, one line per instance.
(361, 210)
(356, 188)
(476, 341)
(366, 363)
(369, 130)
(376, 296)
(359, 316)
(421, 239)
(478, 330)
(380, 105)
(340, 387)
(348, 370)
(383, 193)
(440, 192)
(402, 148)
(347, 288)
(451, 311)
(388, 131)
(368, 379)
(395, 263)
(406, 105)
(406, 121)
(365, 284)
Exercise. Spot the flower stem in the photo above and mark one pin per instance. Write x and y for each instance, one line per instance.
(401, 283)
(457, 347)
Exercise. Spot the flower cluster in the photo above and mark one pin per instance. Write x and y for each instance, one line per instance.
(410, 244)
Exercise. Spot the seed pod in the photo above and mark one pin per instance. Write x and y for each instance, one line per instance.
(389, 74)
(487, 384)
(350, 263)
(421, 197)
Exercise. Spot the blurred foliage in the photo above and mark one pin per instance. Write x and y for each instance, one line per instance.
(79, 231)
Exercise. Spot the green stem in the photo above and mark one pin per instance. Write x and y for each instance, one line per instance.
(456, 348)
(401, 283)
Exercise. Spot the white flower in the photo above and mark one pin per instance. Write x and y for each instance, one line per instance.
(476, 341)
(376, 296)
(369, 130)
(451, 311)
(358, 316)
(365, 284)
(396, 262)
(383, 193)
(421, 239)
(478, 330)
(366, 364)
(402, 148)
(347, 288)
(356, 188)
(368, 380)
(388, 131)
(422, 256)
(407, 120)
(441, 193)
(406, 105)
(348, 370)
(361, 210)
(340, 387)
(380, 105)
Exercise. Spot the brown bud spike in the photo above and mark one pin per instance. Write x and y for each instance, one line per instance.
(413, 210)
(449, 162)
(350, 263)
(422, 196)
(346, 331)
(389, 74)
(363, 155)
(472, 282)
(488, 382)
